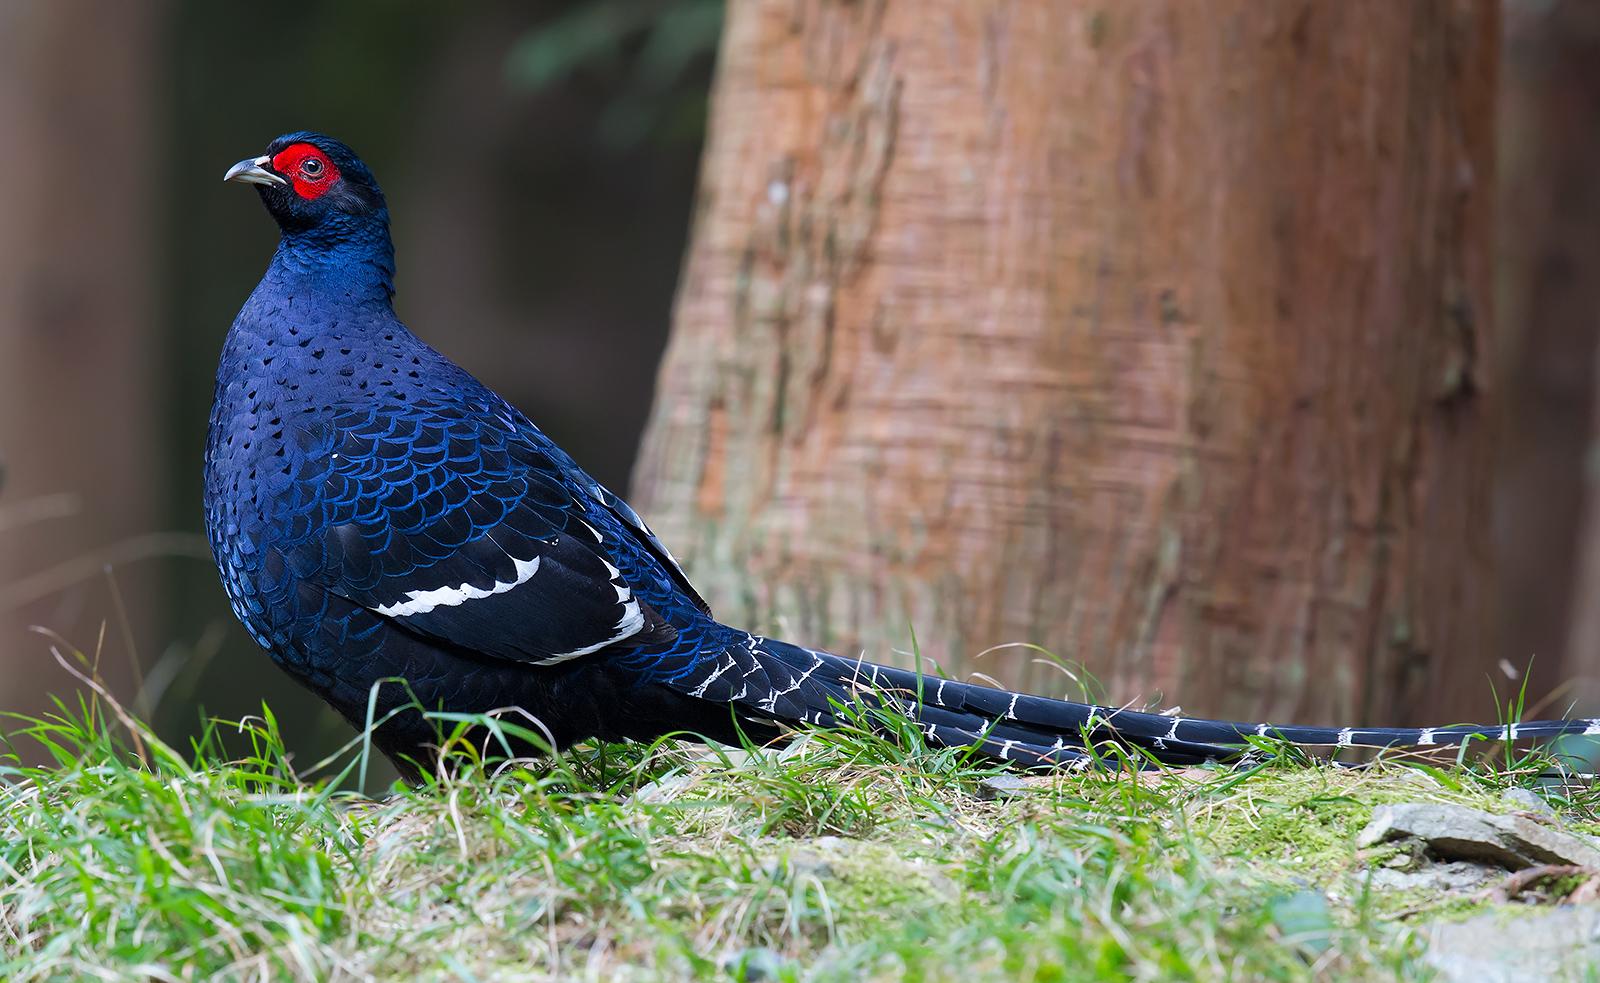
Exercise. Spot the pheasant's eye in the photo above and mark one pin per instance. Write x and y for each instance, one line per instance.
(313, 173)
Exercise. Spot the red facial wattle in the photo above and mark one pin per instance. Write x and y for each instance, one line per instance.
(308, 168)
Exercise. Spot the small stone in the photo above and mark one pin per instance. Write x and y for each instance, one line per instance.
(753, 965)
(1003, 787)
(804, 863)
(1531, 801)
(1457, 833)
(1454, 876)
(1554, 944)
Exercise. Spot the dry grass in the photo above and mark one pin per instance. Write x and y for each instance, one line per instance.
(850, 855)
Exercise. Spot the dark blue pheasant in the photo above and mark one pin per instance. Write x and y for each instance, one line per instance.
(378, 515)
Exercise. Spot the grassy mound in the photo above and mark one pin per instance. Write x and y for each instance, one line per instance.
(845, 855)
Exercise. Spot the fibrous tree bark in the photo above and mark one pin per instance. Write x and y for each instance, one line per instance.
(1148, 333)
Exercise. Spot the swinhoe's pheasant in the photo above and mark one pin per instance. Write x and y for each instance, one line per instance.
(378, 515)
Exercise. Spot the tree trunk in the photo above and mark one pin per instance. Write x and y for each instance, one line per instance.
(1150, 334)
(78, 376)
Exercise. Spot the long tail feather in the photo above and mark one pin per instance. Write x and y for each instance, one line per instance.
(1042, 731)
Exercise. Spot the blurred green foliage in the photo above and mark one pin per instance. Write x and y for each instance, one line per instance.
(650, 45)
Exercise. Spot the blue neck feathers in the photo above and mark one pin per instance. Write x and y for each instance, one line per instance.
(343, 254)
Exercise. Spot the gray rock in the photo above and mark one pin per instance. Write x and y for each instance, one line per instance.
(804, 863)
(1531, 801)
(1457, 833)
(1003, 787)
(1502, 947)
(1454, 876)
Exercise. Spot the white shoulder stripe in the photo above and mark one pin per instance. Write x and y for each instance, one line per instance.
(631, 622)
(423, 601)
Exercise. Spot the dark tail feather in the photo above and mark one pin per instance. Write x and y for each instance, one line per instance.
(1041, 731)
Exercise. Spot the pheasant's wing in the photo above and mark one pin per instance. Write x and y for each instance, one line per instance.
(460, 526)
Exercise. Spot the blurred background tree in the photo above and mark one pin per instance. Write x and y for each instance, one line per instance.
(1547, 278)
(81, 374)
(1146, 334)
(541, 159)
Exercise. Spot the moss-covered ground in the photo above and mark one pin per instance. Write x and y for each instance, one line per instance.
(850, 855)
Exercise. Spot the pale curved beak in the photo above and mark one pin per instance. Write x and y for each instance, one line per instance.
(253, 171)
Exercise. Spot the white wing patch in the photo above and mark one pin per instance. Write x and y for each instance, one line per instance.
(631, 622)
(423, 601)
